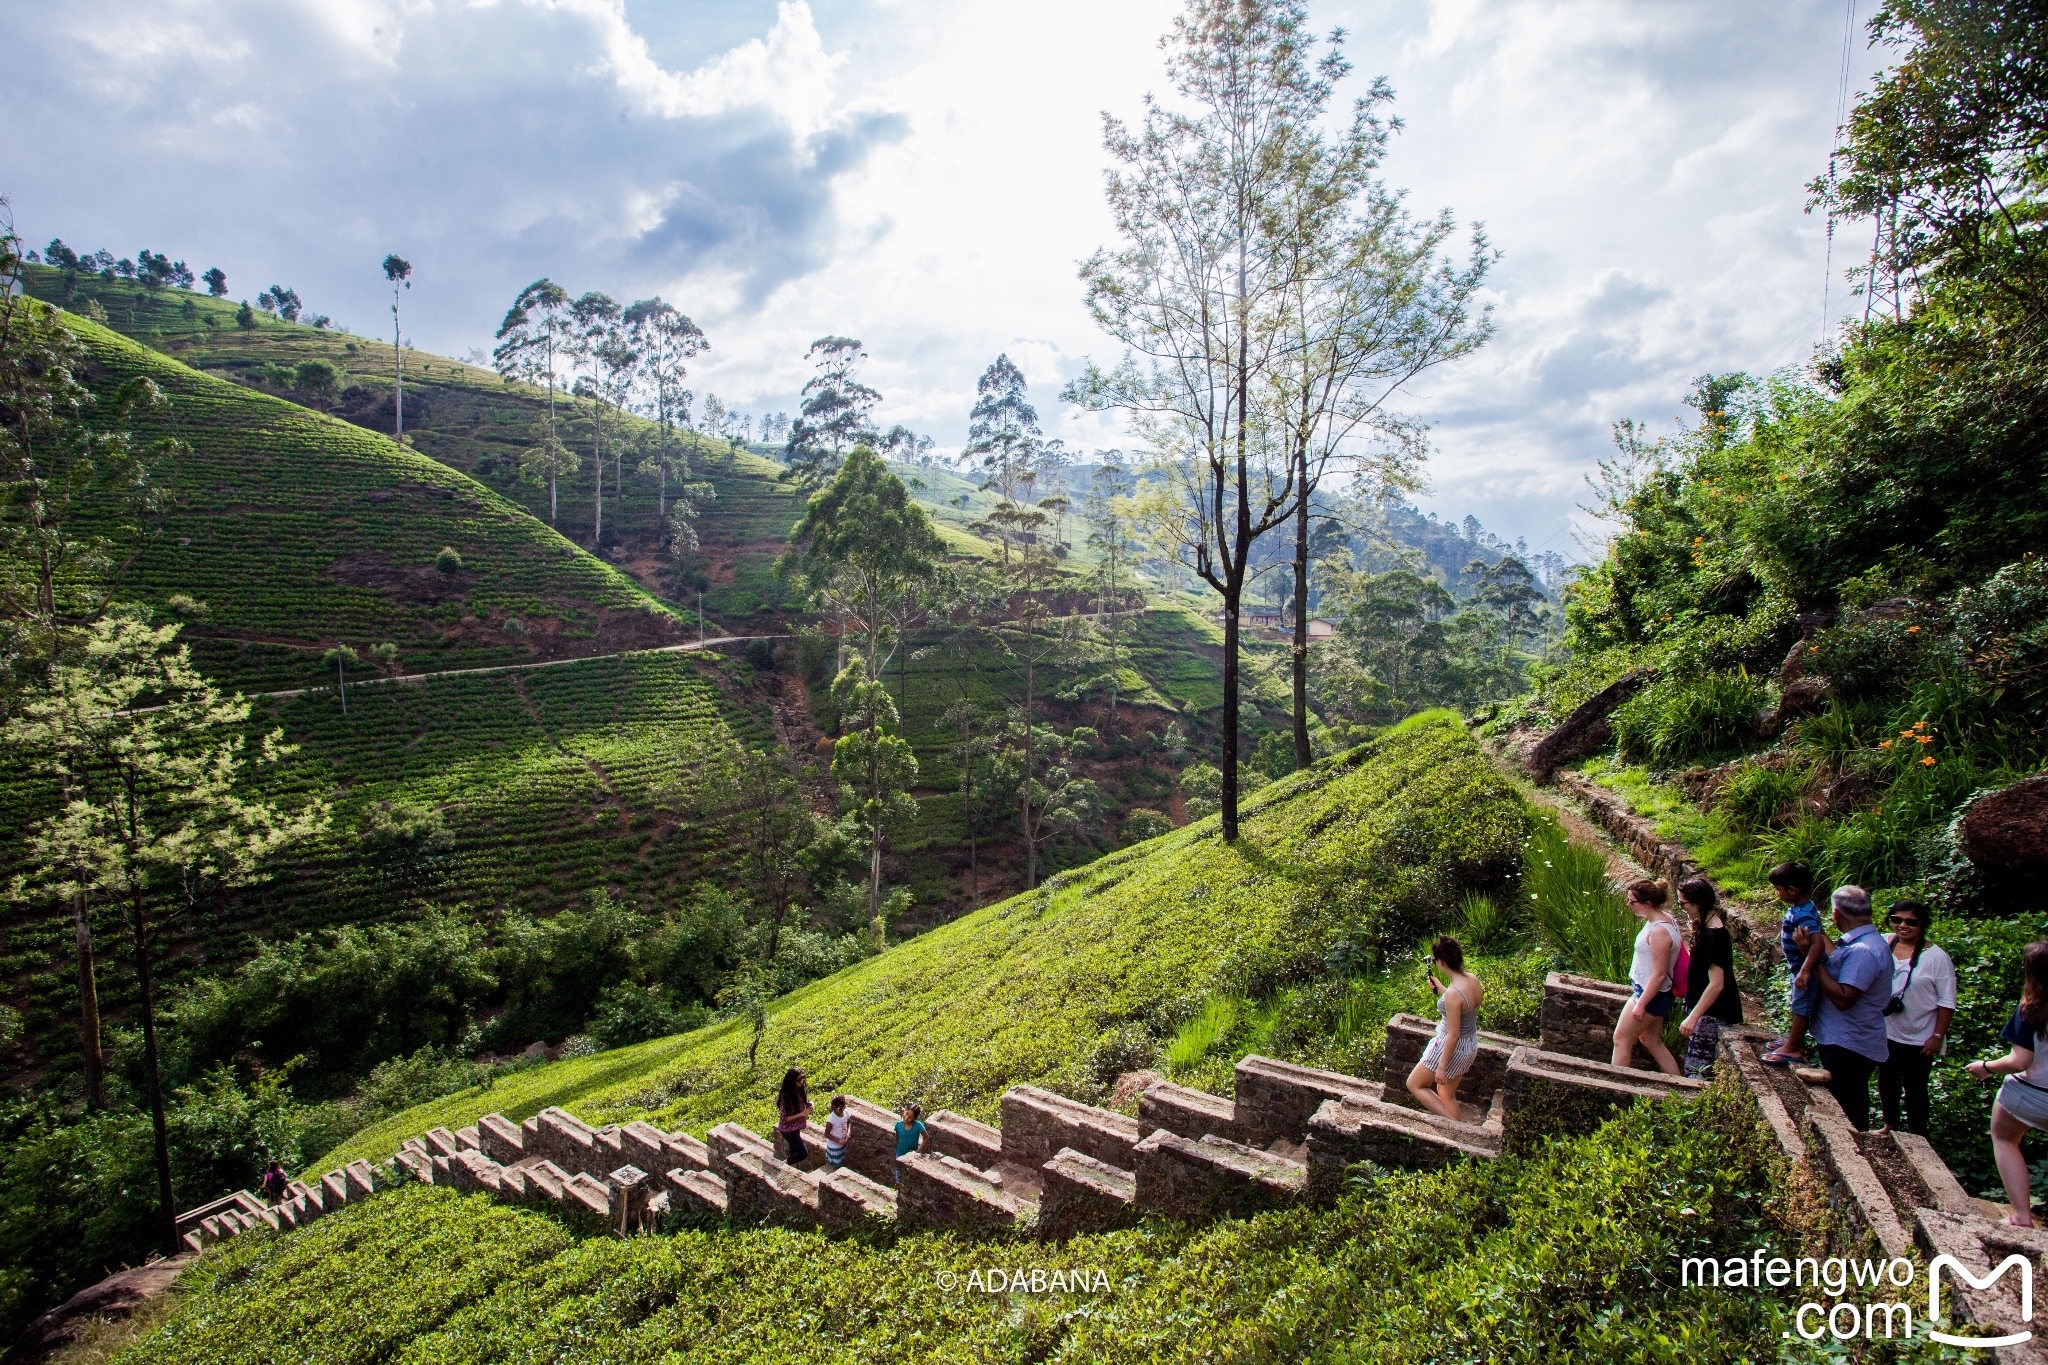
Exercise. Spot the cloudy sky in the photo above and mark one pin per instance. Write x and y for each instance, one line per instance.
(924, 174)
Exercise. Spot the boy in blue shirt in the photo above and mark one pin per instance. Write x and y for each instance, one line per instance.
(1794, 884)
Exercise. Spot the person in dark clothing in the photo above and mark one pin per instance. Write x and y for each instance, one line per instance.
(1710, 988)
(276, 1184)
(793, 1104)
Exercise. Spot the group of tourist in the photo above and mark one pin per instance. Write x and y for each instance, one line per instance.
(793, 1118)
(1871, 1003)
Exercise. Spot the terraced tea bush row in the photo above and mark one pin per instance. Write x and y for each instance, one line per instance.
(1575, 1250)
(1376, 846)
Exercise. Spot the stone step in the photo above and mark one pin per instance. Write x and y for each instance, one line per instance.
(763, 1188)
(1037, 1123)
(1550, 1094)
(940, 1191)
(1079, 1194)
(1276, 1099)
(334, 1190)
(1364, 1128)
(692, 1191)
(467, 1138)
(1408, 1037)
(846, 1199)
(1578, 1016)
(362, 1178)
(1191, 1113)
(585, 1193)
(500, 1139)
(728, 1139)
(1212, 1178)
(441, 1142)
(964, 1139)
(688, 1152)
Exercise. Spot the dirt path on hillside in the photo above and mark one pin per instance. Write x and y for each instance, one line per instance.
(690, 648)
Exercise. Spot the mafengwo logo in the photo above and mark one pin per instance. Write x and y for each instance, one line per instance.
(2026, 1270)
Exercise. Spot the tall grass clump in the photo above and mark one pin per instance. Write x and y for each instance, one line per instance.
(1203, 1034)
(1756, 797)
(1678, 717)
(1577, 913)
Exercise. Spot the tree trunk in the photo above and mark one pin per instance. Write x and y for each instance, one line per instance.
(154, 1082)
(88, 1009)
(967, 809)
(597, 535)
(398, 373)
(1302, 755)
(1030, 762)
(1228, 799)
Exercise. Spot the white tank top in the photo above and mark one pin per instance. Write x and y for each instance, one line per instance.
(1644, 964)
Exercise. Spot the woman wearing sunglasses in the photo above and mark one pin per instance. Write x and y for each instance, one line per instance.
(1916, 1021)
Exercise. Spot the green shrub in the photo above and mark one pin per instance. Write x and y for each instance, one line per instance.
(1681, 717)
(1142, 823)
(1758, 797)
(449, 560)
(1568, 1255)
(1576, 910)
(1482, 926)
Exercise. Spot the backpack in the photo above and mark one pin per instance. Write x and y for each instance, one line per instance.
(1681, 966)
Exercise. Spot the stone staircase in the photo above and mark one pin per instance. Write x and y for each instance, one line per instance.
(1053, 1168)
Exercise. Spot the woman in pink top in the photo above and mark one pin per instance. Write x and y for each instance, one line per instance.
(794, 1104)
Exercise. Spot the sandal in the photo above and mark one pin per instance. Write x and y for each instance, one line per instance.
(1777, 1058)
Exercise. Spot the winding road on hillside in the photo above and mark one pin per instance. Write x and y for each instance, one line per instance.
(374, 679)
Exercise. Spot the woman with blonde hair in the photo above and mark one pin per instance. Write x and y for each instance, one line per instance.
(1651, 978)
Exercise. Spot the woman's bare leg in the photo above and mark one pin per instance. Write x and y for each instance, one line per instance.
(2006, 1132)
(1423, 1085)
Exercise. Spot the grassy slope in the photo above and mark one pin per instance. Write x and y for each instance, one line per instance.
(1040, 987)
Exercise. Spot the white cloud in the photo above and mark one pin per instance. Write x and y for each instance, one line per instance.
(924, 174)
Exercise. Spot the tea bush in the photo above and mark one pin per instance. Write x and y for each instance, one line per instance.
(1371, 847)
(1571, 1254)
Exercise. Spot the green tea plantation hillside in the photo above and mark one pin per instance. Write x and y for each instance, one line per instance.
(1565, 1255)
(298, 531)
(1069, 985)
(469, 419)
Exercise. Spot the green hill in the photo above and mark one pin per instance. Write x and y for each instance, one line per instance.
(466, 418)
(299, 531)
(1069, 985)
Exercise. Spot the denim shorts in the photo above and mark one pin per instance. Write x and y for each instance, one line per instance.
(2027, 1103)
(1660, 1003)
(1805, 1003)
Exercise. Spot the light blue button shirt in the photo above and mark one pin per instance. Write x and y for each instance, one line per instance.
(1863, 960)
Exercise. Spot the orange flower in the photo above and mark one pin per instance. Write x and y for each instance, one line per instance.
(1884, 744)
(1926, 762)
(1925, 739)
(1912, 630)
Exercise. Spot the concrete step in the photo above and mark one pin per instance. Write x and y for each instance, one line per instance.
(1189, 1112)
(1037, 1123)
(964, 1139)
(1551, 1094)
(1364, 1128)
(1212, 1178)
(1276, 1099)
(1081, 1194)
(846, 1199)
(940, 1191)
(696, 1192)
(764, 1188)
